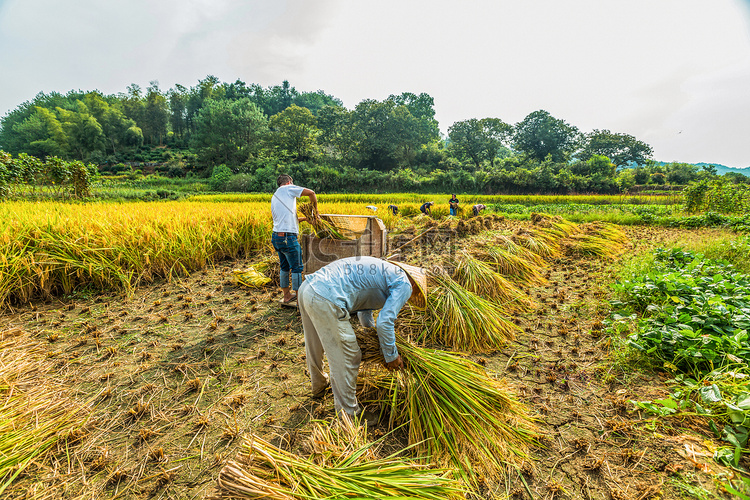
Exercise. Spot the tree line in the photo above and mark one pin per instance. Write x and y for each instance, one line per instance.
(220, 130)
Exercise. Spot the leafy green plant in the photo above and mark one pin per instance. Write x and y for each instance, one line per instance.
(694, 316)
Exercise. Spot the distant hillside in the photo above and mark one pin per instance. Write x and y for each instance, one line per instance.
(720, 169)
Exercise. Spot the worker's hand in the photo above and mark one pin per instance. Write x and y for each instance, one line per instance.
(316, 216)
(301, 219)
(396, 364)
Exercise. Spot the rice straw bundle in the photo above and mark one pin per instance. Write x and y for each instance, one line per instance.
(479, 277)
(454, 412)
(507, 244)
(542, 242)
(515, 266)
(553, 222)
(599, 239)
(460, 319)
(265, 471)
(605, 230)
(323, 228)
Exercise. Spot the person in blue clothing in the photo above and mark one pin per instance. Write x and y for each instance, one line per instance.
(329, 296)
(453, 202)
(426, 207)
(285, 231)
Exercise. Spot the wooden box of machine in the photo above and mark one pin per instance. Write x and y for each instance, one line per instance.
(365, 236)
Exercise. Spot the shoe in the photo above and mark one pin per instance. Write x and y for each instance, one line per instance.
(322, 393)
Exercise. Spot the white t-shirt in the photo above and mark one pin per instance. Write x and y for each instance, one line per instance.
(284, 208)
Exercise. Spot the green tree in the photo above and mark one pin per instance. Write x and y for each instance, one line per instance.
(42, 134)
(155, 115)
(540, 134)
(295, 131)
(467, 140)
(385, 135)
(228, 131)
(178, 99)
(479, 139)
(83, 133)
(621, 149)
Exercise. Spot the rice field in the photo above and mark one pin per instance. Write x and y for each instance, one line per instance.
(198, 381)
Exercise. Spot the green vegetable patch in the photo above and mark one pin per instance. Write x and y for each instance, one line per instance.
(692, 314)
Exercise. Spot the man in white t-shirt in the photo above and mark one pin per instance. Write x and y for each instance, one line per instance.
(285, 231)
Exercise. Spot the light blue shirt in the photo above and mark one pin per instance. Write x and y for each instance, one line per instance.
(363, 284)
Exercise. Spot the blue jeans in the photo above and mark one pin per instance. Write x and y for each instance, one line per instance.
(454, 211)
(290, 258)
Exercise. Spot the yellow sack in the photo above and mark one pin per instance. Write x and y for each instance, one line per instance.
(250, 277)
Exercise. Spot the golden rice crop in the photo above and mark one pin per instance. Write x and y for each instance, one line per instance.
(479, 277)
(454, 412)
(53, 248)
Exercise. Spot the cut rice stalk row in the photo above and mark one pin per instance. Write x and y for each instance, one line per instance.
(459, 319)
(35, 412)
(479, 277)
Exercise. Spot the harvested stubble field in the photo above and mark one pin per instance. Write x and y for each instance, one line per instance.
(180, 371)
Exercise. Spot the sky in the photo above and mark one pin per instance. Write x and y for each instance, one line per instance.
(673, 73)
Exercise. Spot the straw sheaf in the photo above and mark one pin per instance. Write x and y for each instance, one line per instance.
(265, 471)
(459, 319)
(479, 277)
(36, 412)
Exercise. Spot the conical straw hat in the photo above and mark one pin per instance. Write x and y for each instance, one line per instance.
(418, 276)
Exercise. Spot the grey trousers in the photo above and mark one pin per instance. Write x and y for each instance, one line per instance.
(327, 329)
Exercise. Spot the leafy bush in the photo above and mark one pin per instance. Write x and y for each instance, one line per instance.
(219, 178)
(717, 195)
(695, 312)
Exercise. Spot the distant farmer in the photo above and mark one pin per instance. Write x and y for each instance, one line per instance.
(477, 208)
(330, 295)
(372, 207)
(393, 209)
(285, 231)
(453, 202)
(426, 208)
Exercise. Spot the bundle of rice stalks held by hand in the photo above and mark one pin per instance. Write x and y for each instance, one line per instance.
(323, 228)
(343, 465)
(454, 412)
(459, 319)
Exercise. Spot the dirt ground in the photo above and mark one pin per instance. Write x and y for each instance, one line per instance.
(183, 369)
